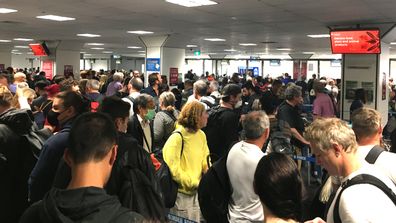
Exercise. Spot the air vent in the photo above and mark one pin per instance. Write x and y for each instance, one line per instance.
(269, 42)
(11, 22)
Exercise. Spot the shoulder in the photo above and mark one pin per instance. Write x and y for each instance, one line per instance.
(126, 215)
(32, 214)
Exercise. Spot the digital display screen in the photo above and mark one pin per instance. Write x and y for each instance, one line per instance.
(38, 49)
(355, 42)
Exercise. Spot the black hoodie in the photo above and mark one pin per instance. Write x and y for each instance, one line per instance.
(88, 204)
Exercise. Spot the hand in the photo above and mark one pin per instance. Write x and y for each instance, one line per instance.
(316, 220)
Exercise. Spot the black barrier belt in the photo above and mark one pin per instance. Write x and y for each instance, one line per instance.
(178, 219)
(305, 158)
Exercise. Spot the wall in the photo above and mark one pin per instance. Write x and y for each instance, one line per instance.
(24, 61)
(5, 58)
(67, 57)
(172, 58)
(286, 66)
(382, 80)
(326, 70)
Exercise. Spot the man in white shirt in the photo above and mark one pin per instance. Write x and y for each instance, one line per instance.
(334, 144)
(366, 123)
(245, 205)
(135, 85)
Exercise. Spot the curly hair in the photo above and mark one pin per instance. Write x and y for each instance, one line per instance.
(190, 115)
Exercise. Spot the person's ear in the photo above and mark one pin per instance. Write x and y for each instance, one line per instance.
(266, 133)
(113, 154)
(67, 157)
(337, 149)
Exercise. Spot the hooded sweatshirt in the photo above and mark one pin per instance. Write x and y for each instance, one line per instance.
(87, 204)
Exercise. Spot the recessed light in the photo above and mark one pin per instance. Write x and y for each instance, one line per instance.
(140, 32)
(5, 41)
(95, 44)
(283, 49)
(230, 50)
(107, 52)
(215, 39)
(5, 10)
(192, 3)
(97, 48)
(248, 44)
(23, 39)
(134, 47)
(55, 18)
(191, 46)
(21, 47)
(319, 35)
(89, 35)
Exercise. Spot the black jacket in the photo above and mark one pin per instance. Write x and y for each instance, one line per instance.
(16, 162)
(135, 129)
(88, 204)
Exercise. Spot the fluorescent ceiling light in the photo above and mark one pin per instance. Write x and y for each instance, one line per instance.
(319, 36)
(5, 10)
(107, 51)
(55, 18)
(142, 51)
(134, 47)
(83, 52)
(14, 50)
(248, 44)
(21, 47)
(191, 46)
(30, 53)
(192, 3)
(5, 41)
(95, 44)
(140, 32)
(87, 54)
(230, 50)
(88, 35)
(308, 52)
(393, 43)
(284, 49)
(215, 39)
(17, 53)
(97, 48)
(23, 39)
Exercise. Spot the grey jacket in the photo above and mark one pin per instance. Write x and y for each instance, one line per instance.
(164, 125)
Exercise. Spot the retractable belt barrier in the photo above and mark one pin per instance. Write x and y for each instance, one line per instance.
(178, 219)
(305, 158)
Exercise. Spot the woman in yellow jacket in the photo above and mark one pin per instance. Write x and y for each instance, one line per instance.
(187, 167)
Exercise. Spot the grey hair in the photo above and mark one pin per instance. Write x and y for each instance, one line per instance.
(168, 100)
(201, 87)
(254, 124)
(136, 83)
(93, 84)
(214, 85)
(293, 91)
(118, 76)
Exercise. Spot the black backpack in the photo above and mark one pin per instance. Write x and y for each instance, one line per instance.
(214, 192)
(362, 179)
(168, 186)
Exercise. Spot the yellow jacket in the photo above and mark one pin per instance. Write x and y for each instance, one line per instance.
(187, 169)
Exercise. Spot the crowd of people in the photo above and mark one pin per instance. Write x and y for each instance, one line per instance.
(98, 149)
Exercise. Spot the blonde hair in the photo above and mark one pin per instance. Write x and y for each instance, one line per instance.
(24, 92)
(168, 100)
(365, 122)
(324, 132)
(5, 96)
(190, 115)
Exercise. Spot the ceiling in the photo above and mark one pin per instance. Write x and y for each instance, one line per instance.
(282, 23)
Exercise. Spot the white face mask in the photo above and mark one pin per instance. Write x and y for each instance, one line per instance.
(238, 104)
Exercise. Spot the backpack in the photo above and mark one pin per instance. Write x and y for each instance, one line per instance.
(214, 192)
(281, 144)
(139, 194)
(168, 186)
(362, 179)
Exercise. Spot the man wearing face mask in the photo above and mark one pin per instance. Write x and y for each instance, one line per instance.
(223, 122)
(141, 124)
(66, 107)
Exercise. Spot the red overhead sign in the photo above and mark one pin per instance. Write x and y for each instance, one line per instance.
(355, 41)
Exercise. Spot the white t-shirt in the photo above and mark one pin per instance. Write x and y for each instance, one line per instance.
(386, 162)
(245, 205)
(365, 202)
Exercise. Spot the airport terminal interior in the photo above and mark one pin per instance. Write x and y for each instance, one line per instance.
(246, 85)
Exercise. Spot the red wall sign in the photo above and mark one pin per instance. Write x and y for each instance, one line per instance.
(355, 41)
(48, 68)
(173, 76)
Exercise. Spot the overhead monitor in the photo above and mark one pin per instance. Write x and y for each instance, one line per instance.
(355, 41)
(39, 49)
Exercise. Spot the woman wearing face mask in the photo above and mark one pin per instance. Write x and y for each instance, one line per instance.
(141, 124)
(188, 165)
